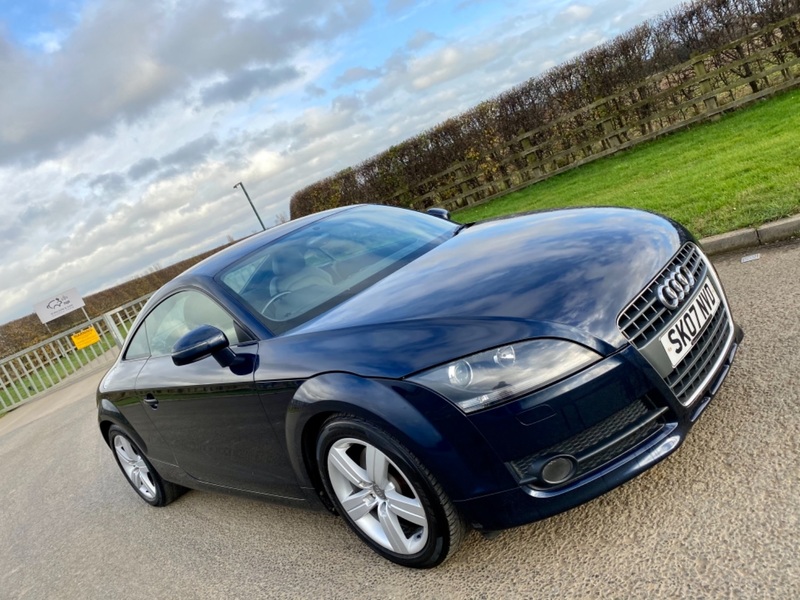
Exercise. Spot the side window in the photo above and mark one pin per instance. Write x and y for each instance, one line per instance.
(199, 309)
(176, 316)
(138, 348)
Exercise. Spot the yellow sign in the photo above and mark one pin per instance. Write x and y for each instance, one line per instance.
(85, 338)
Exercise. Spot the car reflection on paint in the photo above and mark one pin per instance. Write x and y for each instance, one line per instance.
(418, 377)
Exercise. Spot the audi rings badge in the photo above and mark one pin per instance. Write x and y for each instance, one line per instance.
(676, 288)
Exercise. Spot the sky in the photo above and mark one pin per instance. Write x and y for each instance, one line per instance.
(125, 125)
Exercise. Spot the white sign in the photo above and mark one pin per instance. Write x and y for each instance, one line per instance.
(55, 307)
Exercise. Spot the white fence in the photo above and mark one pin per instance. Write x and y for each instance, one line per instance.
(30, 373)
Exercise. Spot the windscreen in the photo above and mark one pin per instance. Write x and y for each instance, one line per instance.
(311, 270)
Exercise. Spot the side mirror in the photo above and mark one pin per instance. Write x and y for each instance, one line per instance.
(442, 213)
(200, 343)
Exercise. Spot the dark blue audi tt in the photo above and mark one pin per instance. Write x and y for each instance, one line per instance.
(419, 377)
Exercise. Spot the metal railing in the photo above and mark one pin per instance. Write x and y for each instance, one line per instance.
(120, 319)
(30, 373)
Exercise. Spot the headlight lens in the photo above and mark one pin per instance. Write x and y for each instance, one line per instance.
(496, 375)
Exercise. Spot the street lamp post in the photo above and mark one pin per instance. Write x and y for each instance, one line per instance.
(241, 185)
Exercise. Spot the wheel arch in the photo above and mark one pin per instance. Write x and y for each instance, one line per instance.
(459, 462)
(109, 415)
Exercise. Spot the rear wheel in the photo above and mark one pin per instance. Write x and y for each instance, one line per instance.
(386, 495)
(139, 472)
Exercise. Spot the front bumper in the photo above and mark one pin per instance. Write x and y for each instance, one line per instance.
(561, 415)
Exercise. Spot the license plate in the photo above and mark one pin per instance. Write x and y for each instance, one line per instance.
(685, 331)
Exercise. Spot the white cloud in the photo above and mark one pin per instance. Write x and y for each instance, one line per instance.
(448, 64)
(420, 39)
(578, 12)
(48, 41)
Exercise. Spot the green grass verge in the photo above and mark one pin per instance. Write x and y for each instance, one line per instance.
(740, 171)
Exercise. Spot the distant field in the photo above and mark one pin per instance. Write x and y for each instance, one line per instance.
(741, 171)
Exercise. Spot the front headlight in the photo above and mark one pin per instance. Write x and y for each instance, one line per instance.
(495, 375)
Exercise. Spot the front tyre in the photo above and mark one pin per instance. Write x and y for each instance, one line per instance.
(139, 472)
(386, 495)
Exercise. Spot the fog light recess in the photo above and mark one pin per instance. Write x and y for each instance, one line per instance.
(554, 470)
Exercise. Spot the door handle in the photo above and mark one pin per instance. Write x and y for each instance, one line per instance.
(151, 401)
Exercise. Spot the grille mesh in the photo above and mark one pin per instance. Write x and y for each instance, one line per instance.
(692, 371)
(596, 436)
(645, 317)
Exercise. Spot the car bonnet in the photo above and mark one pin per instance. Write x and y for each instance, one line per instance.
(565, 273)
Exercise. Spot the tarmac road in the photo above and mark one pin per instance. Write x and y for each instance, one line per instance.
(718, 519)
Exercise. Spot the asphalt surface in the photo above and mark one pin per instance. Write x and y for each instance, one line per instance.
(718, 519)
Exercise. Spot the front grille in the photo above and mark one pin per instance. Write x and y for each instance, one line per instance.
(695, 367)
(602, 443)
(645, 317)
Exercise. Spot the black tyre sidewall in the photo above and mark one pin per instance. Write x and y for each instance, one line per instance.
(438, 545)
(160, 497)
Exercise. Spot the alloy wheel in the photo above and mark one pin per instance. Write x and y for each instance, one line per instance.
(135, 468)
(377, 496)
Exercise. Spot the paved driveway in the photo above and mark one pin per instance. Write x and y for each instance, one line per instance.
(718, 519)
